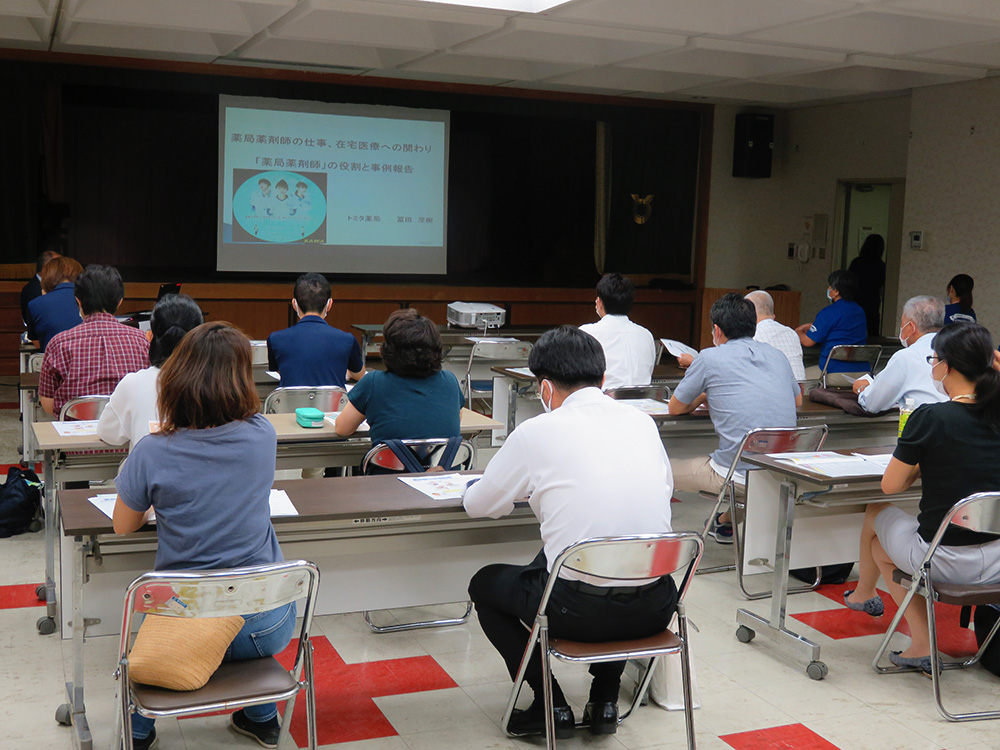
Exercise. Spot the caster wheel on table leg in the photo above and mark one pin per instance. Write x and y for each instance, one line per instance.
(817, 670)
(63, 715)
(46, 625)
(744, 634)
(40, 592)
(35, 525)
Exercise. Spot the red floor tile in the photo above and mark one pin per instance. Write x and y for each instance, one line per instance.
(21, 595)
(790, 737)
(845, 623)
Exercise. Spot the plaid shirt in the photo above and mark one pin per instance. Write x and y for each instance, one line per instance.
(90, 359)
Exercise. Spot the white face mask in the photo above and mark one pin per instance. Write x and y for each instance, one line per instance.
(938, 384)
(541, 396)
(829, 295)
(715, 338)
(902, 338)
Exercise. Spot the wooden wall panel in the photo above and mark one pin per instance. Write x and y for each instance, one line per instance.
(786, 310)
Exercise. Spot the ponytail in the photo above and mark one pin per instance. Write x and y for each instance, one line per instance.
(968, 348)
(988, 397)
(962, 284)
(173, 316)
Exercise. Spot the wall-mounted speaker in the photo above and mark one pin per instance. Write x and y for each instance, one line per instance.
(753, 145)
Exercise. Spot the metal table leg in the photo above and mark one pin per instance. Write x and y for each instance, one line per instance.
(505, 404)
(49, 623)
(750, 623)
(75, 712)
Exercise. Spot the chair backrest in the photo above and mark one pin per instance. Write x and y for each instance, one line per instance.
(655, 392)
(428, 452)
(258, 352)
(286, 400)
(778, 440)
(511, 351)
(219, 593)
(638, 557)
(979, 512)
(867, 353)
(83, 408)
(35, 362)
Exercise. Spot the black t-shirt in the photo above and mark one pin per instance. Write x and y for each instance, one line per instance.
(959, 455)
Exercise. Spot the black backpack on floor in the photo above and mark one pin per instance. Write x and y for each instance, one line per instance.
(20, 502)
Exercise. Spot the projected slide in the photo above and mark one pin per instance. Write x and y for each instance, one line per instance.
(308, 186)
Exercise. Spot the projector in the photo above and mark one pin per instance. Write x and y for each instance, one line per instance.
(475, 315)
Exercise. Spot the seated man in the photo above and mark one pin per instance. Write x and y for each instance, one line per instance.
(629, 349)
(591, 467)
(312, 352)
(908, 374)
(770, 331)
(841, 322)
(92, 357)
(746, 384)
(33, 289)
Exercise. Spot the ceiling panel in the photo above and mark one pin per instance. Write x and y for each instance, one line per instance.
(23, 33)
(537, 39)
(173, 44)
(268, 47)
(985, 10)
(221, 16)
(733, 59)
(763, 93)
(30, 8)
(722, 17)
(496, 68)
(623, 79)
(980, 55)
(880, 33)
(867, 74)
(416, 75)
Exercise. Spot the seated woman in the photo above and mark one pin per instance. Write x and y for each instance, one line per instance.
(56, 310)
(413, 398)
(960, 300)
(953, 447)
(208, 473)
(127, 417)
(841, 322)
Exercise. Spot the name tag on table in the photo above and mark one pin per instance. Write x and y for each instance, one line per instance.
(648, 406)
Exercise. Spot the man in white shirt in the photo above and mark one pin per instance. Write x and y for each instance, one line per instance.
(591, 467)
(907, 375)
(770, 331)
(629, 349)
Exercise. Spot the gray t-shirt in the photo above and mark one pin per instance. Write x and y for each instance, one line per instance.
(749, 384)
(210, 491)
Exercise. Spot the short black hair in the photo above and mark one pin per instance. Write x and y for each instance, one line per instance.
(44, 257)
(735, 315)
(845, 282)
(312, 292)
(173, 316)
(99, 289)
(617, 293)
(568, 357)
(412, 345)
(264, 181)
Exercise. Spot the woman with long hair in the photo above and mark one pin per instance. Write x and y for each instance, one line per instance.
(952, 447)
(960, 299)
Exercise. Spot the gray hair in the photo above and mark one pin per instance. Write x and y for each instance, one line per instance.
(762, 301)
(927, 313)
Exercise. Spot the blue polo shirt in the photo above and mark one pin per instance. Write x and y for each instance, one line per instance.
(312, 352)
(53, 313)
(953, 308)
(842, 322)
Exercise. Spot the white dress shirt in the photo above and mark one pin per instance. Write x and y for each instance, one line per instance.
(907, 375)
(629, 350)
(785, 340)
(592, 467)
(132, 407)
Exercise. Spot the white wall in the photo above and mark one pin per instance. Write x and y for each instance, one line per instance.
(953, 191)
(751, 221)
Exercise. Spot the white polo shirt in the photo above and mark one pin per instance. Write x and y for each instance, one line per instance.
(593, 467)
(629, 350)
(132, 407)
(907, 375)
(785, 340)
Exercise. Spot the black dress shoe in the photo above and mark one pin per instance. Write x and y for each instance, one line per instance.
(602, 717)
(532, 721)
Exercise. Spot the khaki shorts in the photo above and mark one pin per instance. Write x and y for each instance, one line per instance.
(695, 475)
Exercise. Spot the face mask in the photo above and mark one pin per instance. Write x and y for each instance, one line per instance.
(715, 338)
(938, 384)
(902, 338)
(541, 397)
(829, 295)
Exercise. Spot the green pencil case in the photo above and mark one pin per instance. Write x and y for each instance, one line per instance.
(308, 416)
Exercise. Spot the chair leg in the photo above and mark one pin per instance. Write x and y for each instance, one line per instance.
(519, 679)
(682, 627)
(893, 626)
(704, 538)
(439, 623)
(310, 697)
(550, 721)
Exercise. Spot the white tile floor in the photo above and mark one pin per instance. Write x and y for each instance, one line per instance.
(743, 687)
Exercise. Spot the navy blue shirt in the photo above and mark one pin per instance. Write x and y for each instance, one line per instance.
(53, 313)
(399, 408)
(956, 307)
(312, 352)
(842, 322)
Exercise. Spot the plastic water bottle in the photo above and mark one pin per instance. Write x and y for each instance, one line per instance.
(904, 414)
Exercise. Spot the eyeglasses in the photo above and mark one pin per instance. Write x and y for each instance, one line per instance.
(933, 359)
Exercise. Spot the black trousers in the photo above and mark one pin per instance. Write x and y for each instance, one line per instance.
(507, 597)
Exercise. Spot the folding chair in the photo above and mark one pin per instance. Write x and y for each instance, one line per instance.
(868, 354)
(83, 408)
(760, 440)
(510, 351)
(326, 398)
(979, 512)
(35, 362)
(655, 392)
(418, 457)
(637, 558)
(236, 684)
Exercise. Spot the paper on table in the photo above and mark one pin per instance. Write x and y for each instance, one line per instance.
(281, 504)
(272, 374)
(647, 405)
(677, 348)
(526, 371)
(331, 417)
(829, 463)
(494, 339)
(881, 460)
(83, 427)
(439, 486)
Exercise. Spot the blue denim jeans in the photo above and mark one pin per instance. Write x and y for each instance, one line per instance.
(263, 634)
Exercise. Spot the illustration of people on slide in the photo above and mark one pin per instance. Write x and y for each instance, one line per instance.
(266, 209)
(260, 202)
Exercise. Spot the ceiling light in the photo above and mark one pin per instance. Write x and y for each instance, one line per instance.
(518, 6)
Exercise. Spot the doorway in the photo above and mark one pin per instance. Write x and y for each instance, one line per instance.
(873, 207)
